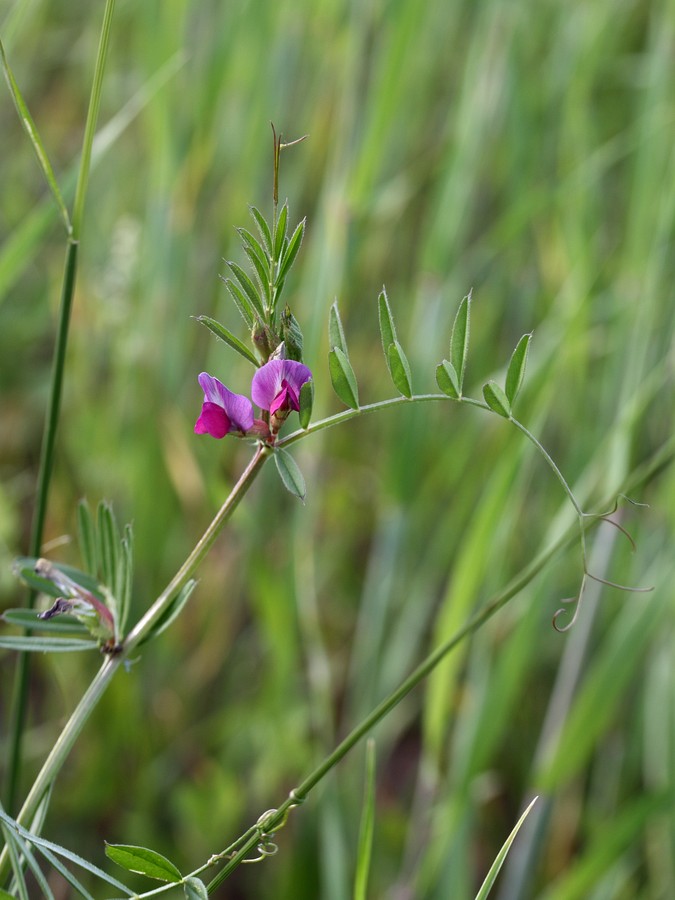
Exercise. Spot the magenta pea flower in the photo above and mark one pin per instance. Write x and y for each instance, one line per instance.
(222, 410)
(276, 387)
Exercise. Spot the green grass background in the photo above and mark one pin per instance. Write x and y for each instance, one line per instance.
(523, 150)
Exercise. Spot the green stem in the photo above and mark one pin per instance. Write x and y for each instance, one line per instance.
(189, 567)
(85, 707)
(20, 698)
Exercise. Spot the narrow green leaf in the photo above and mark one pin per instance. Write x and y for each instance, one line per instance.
(108, 541)
(28, 618)
(290, 474)
(87, 537)
(501, 856)
(23, 852)
(446, 379)
(459, 339)
(336, 334)
(367, 826)
(248, 287)
(55, 863)
(36, 644)
(143, 861)
(516, 370)
(306, 401)
(387, 327)
(290, 252)
(195, 889)
(224, 334)
(34, 138)
(249, 240)
(125, 579)
(261, 271)
(14, 849)
(399, 369)
(496, 399)
(44, 845)
(172, 612)
(263, 229)
(240, 301)
(343, 378)
(280, 232)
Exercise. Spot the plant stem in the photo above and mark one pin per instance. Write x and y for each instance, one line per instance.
(20, 697)
(85, 707)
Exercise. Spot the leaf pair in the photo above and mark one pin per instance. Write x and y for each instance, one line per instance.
(450, 372)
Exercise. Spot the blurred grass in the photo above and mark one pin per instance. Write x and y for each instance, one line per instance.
(524, 151)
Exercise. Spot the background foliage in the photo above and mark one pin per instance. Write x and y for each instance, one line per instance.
(525, 151)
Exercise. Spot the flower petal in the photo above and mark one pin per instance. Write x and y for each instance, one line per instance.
(269, 380)
(213, 420)
(237, 407)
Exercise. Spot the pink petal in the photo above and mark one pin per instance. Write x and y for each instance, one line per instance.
(213, 420)
(269, 380)
(237, 407)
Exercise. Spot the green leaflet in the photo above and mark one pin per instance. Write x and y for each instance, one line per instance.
(446, 379)
(290, 474)
(496, 399)
(143, 861)
(516, 370)
(342, 378)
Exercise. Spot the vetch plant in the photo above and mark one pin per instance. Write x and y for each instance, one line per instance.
(89, 608)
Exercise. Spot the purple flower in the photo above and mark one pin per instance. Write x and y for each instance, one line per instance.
(222, 411)
(276, 386)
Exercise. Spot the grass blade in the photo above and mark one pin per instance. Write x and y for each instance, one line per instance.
(365, 845)
(501, 856)
(34, 138)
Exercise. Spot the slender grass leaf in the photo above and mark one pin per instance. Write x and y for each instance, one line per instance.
(446, 379)
(248, 287)
(108, 542)
(223, 334)
(173, 611)
(280, 233)
(516, 370)
(195, 889)
(263, 229)
(28, 618)
(496, 399)
(343, 378)
(290, 474)
(387, 327)
(24, 853)
(34, 138)
(367, 827)
(501, 856)
(87, 537)
(336, 333)
(306, 401)
(43, 844)
(291, 252)
(36, 644)
(459, 339)
(240, 301)
(19, 879)
(143, 861)
(399, 369)
(65, 873)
